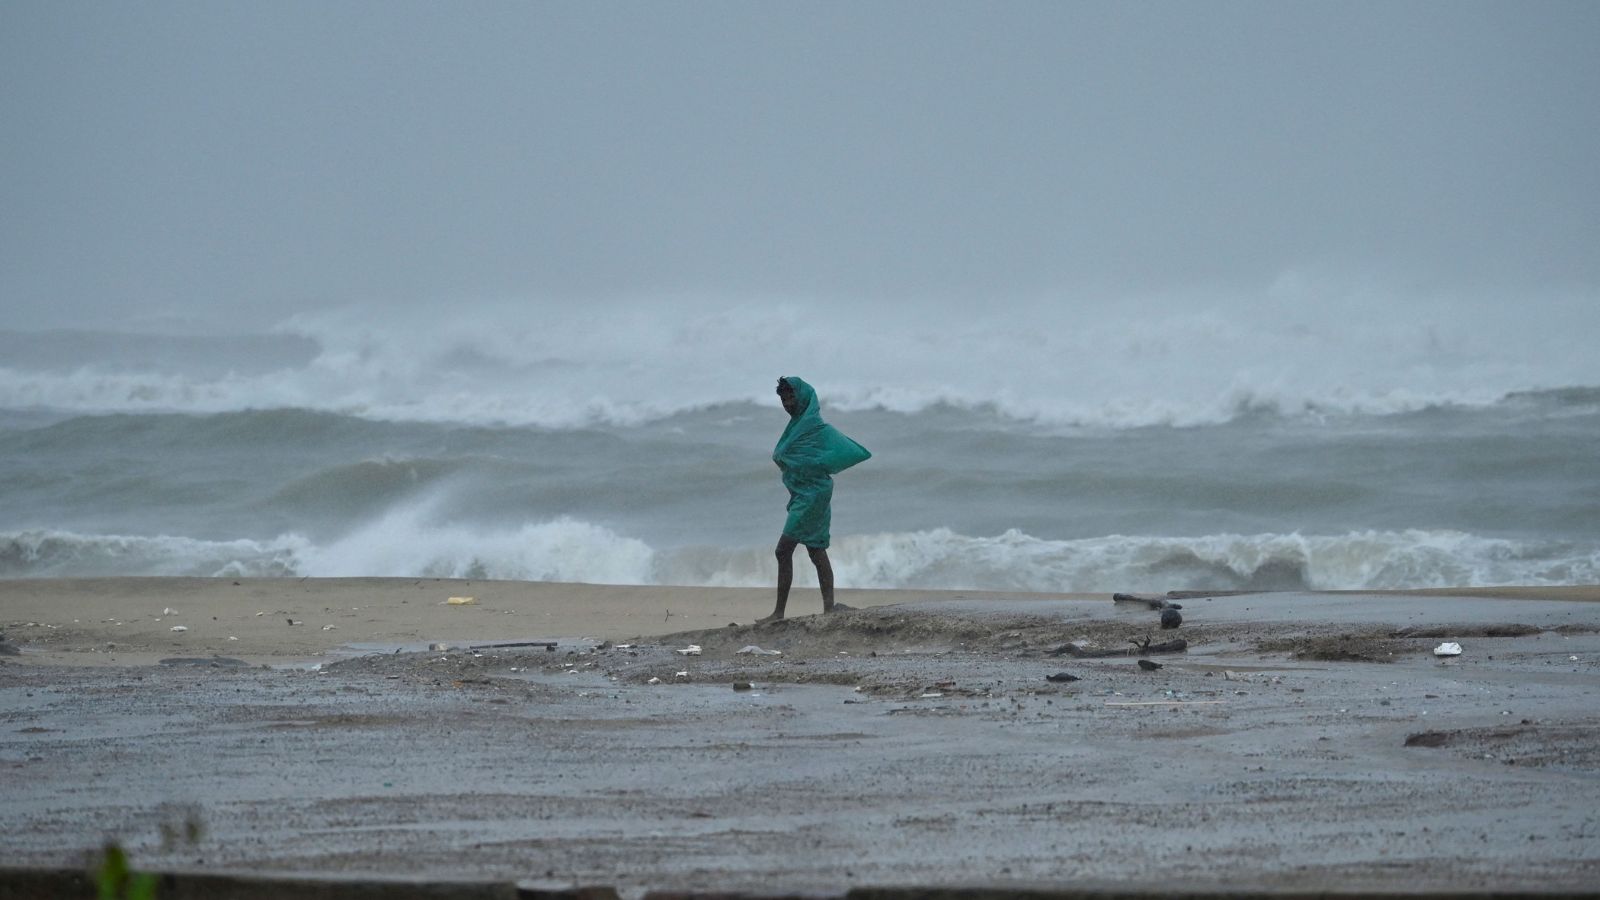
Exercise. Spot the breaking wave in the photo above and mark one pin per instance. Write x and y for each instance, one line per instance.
(568, 550)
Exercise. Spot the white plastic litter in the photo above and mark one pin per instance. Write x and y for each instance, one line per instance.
(1448, 648)
(691, 650)
(753, 650)
(653, 681)
(180, 628)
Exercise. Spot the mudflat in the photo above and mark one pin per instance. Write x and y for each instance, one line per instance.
(1297, 741)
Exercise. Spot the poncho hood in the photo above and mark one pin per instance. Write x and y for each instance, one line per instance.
(810, 446)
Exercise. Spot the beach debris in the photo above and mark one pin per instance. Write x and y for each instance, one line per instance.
(691, 650)
(1171, 618)
(180, 628)
(329, 627)
(680, 674)
(548, 645)
(1149, 665)
(294, 621)
(168, 611)
(438, 645)
(232, 638)
(930, 695)
(1140, 648)
(461, 601)
(742, 685)
(1448, 648)
(1231, 675)
(753, 650)
(1061, 677)
(653, 680)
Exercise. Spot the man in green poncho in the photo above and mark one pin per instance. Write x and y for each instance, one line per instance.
(809, 453)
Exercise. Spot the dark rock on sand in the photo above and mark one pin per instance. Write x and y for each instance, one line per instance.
(1061, 677)
(1171, 618)
(1149, 665)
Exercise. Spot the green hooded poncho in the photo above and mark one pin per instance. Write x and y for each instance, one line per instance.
(809, 453)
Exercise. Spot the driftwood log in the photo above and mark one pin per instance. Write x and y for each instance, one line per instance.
(1146, 599)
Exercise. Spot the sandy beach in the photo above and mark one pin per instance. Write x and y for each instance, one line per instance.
(1299, 741)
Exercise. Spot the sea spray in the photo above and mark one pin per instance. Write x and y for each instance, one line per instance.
(1087, 361)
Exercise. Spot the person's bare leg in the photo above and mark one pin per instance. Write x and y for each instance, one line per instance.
(819, 558)
(785, 554)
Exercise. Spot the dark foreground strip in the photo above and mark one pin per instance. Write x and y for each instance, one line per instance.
(50, 884)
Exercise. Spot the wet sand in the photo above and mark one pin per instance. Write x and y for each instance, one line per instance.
(1303, 741)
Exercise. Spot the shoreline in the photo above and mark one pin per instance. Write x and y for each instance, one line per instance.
(129, 620)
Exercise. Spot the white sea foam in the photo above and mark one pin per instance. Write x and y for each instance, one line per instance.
(405, 544)
(1371, 560)
(1295, 346)
(44, 553)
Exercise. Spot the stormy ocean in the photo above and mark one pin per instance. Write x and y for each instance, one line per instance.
(1212, 444)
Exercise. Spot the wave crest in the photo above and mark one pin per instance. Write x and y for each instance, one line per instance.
(407, 543)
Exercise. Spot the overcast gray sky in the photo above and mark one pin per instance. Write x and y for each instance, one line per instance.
(236, 162)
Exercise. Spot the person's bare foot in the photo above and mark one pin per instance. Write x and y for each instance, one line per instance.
(838, 607)
(775, 617)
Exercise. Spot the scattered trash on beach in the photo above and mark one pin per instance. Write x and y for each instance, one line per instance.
(930, 695)
(742, 685)
(294, 621)
(1149, 665)
(691, 650)
(653, 680)
(169, 611)
(329, 627)
(461, 601)
(180, 628)
(753, 650)
(1061, 677)
(1448, 648)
